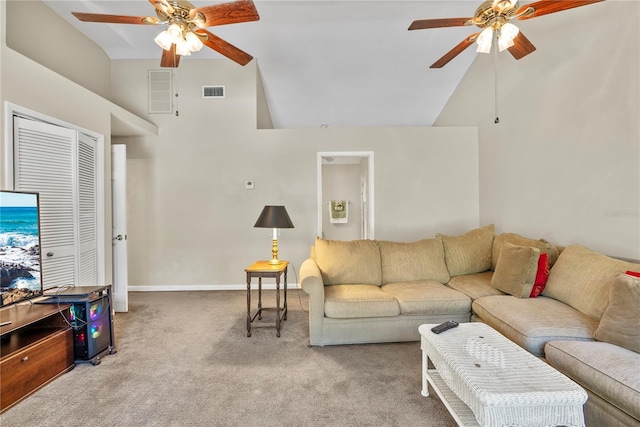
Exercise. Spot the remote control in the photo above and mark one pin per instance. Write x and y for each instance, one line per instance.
(444, 326)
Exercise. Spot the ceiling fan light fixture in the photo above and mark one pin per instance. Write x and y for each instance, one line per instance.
(182, 48)
(507, 33)
(484, 40)
(193, 42)
(175, 32)
(164, 40)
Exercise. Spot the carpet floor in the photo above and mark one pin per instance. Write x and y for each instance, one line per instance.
(183, 359)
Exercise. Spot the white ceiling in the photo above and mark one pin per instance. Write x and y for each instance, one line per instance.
(349, 63)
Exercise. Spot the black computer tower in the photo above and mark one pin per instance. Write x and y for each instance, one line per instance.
(91, 318)
(91, 323)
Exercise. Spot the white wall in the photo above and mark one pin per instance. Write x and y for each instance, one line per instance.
(564, 162)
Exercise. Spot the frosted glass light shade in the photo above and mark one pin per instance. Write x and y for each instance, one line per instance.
(508, 32)
(484, 40)
(164, 40)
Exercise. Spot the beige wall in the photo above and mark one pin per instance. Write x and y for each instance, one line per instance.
(190, 217)
(342, 182)
(44, 36)
(29, 85)
(564, 162)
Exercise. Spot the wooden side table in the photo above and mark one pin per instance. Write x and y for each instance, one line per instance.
(262, 269)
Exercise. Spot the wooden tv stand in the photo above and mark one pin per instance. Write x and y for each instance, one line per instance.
(35, 348)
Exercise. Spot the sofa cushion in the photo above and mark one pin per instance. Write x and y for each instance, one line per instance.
(607, 370)
(475, 285)
(532, 322)
(421, 260)
(469, 252)
(354, 301)
(582, 277)
(427, 297)
(516, 239)
(346, 262)
(620, 323)
(516, 270)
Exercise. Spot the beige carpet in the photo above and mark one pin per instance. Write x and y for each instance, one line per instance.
(184, 360)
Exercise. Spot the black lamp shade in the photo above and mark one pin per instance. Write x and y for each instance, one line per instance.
(274, 217)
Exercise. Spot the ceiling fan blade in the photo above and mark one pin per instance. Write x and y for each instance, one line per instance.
(521, 46)
(223, 47)
(227, 13)
(545, 7)
(163, 6)
(423, 24)
(115, 19)
(170, 58)
(455, 51)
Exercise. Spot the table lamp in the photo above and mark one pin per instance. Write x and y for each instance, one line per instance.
(274, 217)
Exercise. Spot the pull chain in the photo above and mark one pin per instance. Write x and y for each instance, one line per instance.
(495, 83)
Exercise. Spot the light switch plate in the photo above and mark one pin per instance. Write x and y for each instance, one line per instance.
(249, 185)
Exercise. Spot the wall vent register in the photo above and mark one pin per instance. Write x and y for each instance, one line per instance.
(213, 91)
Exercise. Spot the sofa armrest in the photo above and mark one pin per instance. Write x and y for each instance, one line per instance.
(311, 282)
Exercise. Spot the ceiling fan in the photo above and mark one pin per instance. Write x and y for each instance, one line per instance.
(185, 32)
(493, 18)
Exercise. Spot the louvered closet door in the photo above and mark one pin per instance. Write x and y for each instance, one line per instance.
(50, 160)
(87, 210)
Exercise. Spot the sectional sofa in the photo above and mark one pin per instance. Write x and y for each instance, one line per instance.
(573, 306)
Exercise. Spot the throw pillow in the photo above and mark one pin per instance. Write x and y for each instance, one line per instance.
(516, 239)
(516, 270)
(470, 252)
(633, 273)
(541, 276)
(620, 323)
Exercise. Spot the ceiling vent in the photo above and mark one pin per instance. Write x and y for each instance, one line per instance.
(213, 91)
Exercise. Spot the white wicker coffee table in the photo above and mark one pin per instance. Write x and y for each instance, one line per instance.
(486, 380)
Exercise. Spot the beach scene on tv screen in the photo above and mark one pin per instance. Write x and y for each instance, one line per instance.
(19, 247)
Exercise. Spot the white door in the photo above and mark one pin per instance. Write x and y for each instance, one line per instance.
(119, 206)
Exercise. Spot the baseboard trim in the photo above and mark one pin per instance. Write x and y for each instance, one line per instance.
(178, 288)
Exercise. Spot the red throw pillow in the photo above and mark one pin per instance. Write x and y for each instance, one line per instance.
(633, 273)
(541, 276)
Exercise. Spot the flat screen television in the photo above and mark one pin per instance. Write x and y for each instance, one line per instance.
(20, 258)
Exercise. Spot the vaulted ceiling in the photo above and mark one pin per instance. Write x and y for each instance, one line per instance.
(347, 63)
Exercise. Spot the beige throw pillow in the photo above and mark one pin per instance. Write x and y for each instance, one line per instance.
(516, 239)
(348, 262)
(516, 270)
(406, 262)
(470, 252)
(620, 323)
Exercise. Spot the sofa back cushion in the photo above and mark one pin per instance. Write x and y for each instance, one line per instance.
(470, 252)
(515, 239)
(348, 262)
(406, 262)
(582, 278)
(620, 323)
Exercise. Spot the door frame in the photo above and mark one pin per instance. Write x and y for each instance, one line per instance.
(13, 109)
(369, 155)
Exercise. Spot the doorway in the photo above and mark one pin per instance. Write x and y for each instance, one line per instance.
(345, 195)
